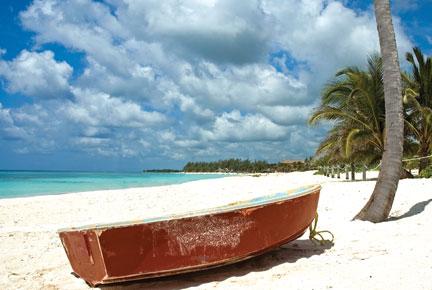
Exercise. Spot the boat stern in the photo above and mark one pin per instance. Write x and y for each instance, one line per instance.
(83, 251)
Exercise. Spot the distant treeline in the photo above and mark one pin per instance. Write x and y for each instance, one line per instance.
(247, 166)
(161, 170)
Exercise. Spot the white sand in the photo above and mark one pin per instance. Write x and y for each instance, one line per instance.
(391, 255)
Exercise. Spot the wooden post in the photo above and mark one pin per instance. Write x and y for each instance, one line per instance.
(338, 171)
(352, 171)
(332, 172)
(346, 172)
(364, 172)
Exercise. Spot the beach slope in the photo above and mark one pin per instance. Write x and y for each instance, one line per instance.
(392, 255)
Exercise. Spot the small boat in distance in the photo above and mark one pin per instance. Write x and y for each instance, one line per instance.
(169, 245)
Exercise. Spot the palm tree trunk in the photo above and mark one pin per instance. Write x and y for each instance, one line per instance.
(379, 205)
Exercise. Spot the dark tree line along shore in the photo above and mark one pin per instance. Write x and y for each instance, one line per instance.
(247, 166)
(161, 170)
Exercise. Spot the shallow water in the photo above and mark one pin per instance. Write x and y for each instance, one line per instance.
(32, 183)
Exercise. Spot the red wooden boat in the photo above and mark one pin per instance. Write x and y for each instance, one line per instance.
(171, 245)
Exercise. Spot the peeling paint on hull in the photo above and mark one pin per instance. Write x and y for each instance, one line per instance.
(166, 246)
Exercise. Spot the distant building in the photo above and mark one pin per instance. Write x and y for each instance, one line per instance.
(291, 161)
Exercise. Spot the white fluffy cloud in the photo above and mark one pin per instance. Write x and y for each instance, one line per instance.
(100, 109)
(7, 127)
(218, 31)
(233, 127)
(36, 74)
(326, 34)
(184, 79)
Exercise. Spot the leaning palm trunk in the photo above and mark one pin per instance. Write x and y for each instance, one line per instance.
(379, 205)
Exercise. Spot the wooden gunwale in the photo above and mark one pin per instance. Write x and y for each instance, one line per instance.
(263, 200)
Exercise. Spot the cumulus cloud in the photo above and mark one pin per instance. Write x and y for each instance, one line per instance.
(27, 129)
(218, 31)
(287, 115)
(7, 127)
(86, 26)
(243, 87)
(100, 109)
(327, 35)
(91, 122)
(234, 127)
(36, 74)
(184, 79)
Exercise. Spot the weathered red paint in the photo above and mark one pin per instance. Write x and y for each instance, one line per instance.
(113, 253)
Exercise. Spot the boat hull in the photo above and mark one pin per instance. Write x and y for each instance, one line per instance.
(114, 253)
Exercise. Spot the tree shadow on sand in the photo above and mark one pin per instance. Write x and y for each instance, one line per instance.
(288, 253)
(414, 210)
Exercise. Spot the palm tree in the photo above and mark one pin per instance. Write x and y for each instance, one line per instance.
(354, 102)
(418, 96)
(379, 205)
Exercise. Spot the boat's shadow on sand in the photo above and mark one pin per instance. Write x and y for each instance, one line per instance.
(288, 253)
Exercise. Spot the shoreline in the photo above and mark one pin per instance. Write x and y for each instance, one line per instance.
(99, 191)
(148, 186)
(364, 254)
(133, 186)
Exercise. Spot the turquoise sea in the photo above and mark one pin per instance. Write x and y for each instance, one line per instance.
(32, 183)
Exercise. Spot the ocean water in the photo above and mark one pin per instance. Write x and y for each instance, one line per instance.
(32, 183)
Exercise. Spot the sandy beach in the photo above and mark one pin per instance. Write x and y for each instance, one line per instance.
(396, 254)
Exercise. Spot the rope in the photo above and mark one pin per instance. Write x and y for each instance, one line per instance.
(379, 164)
(317, 236)
(417, 158)
(404, 160)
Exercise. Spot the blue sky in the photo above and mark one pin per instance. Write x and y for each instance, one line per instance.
(127, 85)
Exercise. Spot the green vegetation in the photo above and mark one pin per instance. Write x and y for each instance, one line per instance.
(161, 170)
(427, 172)
(353, 102)
(247, 166)
(418, 103)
